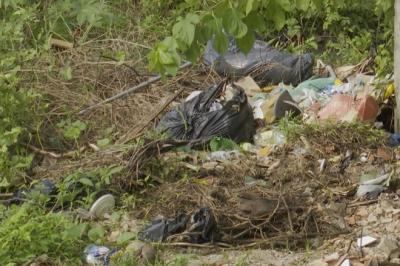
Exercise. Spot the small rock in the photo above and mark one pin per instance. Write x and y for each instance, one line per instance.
(372, 218)
(148, 253)
(332, 257)
(388, 246)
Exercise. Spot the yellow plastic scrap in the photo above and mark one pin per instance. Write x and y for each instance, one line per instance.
(338, 82)
(389, 91)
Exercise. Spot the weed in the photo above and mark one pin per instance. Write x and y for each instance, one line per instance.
(83, 187)
(28, 231)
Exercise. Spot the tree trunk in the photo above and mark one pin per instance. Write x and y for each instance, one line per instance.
(397, 64)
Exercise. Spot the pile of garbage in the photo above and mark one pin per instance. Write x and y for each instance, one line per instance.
(284, 195)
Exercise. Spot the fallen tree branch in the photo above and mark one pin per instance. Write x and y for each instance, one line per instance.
(130, 90)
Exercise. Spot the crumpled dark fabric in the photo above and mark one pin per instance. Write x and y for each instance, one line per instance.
(193, 119)
(265, 64)
(201, 227)
(160, 229)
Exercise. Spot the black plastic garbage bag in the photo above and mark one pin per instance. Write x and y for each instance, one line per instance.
(263, 63)
(160, 229)
(203, 227)
(195, 119)
(199, 227)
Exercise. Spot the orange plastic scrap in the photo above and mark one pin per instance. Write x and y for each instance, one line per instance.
(367, 108)
(344, 107)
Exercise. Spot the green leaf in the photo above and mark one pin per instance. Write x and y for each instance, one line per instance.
(103, 142)
(66, 73)
(125, 237)
(221, 43)
(285, 4)
(184, 29)
(318, 4)
(96, 233)
(75, 231)
(193, 52)
(222, 144)
(277, 14)
(303, 4)
(246, 43)
(249, 6)
(86, 181)
(255, 22)
(233, 24)
(120, 57)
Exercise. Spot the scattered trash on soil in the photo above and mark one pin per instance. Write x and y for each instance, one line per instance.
(161, 228)
(98, 255)
(372, 188)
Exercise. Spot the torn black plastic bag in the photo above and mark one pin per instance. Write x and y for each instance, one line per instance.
(160, 229)
(203, 226)
(263, 63)
(193, 119)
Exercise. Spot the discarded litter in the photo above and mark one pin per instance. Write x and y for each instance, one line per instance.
(105, 204)
(249, 86)
(200, 227)
(223, 155)
(346, 262)
(98, 255)
(203, 227)
(263, 63)
(365, 241)
(194, 119)
(160, 229)
(344, 107)
(372, 188)
(279, 105)
(270, 137)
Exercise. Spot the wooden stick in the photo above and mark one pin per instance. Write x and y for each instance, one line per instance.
(61, 43)
(55, 155)
(130, 90)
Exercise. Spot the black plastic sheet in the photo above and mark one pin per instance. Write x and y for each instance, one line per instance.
(265, 64)
(194, 119)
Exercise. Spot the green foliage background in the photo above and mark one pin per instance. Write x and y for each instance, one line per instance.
(338, 31)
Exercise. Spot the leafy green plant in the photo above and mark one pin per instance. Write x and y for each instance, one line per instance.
(25, 33)
(72, 130)
(222, 144)
(82, 187)
(27, 232)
